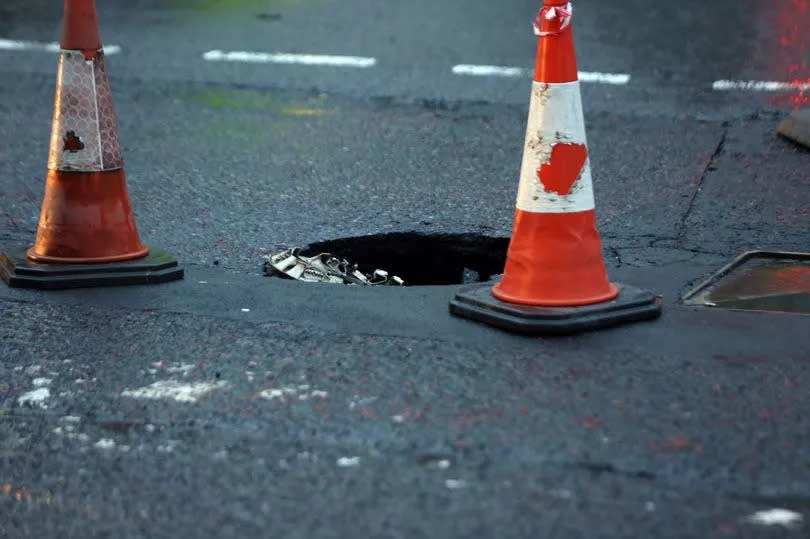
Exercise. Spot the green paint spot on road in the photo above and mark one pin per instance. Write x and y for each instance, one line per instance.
(232, 99)
(253, 99)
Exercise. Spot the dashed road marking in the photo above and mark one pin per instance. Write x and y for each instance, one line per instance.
(324, 60)
(776, 517)
(288, 58)
(173, 390)
(38, 46)
(759, 85)
(489, 71)
(618, 79)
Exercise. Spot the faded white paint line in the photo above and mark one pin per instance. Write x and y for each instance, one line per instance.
(618, 79)
(287, 58)
(70, 419)
(183, 368)
(36, 397)
(776, 517)
(169, 447)
(455, 484)
(293, 392)
(759, 85)
(13, 45)
(271, 394)
(245, 310)
(104, 443)
(348, 462)
(173, 390)
(561, 493)
(398, 418)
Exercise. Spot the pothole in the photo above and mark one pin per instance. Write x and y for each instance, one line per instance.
(422, 259)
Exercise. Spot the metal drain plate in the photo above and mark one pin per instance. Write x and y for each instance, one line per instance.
(759, 281)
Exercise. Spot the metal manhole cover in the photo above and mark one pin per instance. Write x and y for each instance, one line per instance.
(758, 281)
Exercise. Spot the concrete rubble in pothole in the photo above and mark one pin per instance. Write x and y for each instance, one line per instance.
(324, 268)
(796, 127)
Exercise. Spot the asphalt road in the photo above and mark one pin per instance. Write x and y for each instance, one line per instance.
(287, 410)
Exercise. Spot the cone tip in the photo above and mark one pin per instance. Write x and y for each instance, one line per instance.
(80, 29)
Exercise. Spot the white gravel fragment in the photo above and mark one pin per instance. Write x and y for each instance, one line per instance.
(36, 398)
(104, 443)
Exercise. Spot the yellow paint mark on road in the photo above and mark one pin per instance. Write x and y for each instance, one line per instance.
(303, 111)
(233, 99)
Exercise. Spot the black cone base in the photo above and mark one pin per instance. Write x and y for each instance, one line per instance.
(17, 271)
(477, 303)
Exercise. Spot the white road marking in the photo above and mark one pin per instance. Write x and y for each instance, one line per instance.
(455, 484)
(173, 390)
(169, 447)
(12, 45)
(489, 71)
(776, 517)
(36, 397)
(618, 79)
(287, 58)
(302, 392)
(348, 462)
(41, 382)
(183, 368)
(759, 85)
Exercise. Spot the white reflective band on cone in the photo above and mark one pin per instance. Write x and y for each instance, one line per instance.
(555, 117)
(84, 136)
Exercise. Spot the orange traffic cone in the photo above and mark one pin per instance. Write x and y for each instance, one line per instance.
(555, 279)
(87, 234)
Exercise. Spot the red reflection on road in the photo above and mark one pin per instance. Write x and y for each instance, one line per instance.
(793, 29)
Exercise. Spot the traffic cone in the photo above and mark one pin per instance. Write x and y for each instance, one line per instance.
(555, 279)
(87, 234)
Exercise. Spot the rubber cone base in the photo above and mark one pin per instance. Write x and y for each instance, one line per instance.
(476, 302)
(19, 272)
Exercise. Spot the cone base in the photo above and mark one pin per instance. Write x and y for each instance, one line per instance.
(476, 302)
(44, 259)
(612, 293)
(18, 271)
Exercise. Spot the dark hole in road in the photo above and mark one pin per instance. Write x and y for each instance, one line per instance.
(422, 259)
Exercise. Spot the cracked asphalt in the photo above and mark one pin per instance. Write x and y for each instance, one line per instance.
(234, 404)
